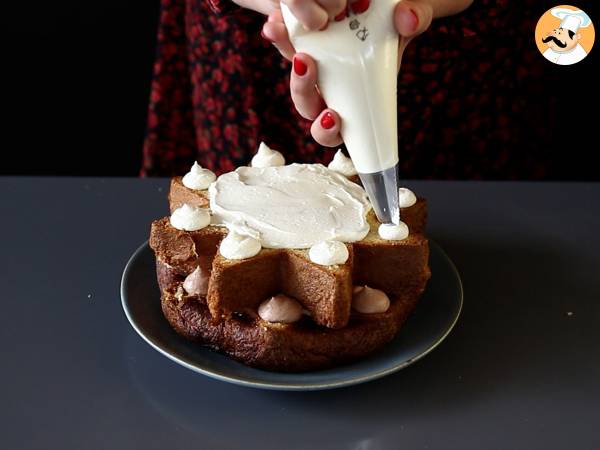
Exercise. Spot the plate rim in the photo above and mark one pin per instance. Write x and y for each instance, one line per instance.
(283, 386)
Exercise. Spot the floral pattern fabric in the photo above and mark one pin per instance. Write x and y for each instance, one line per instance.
(219, 89)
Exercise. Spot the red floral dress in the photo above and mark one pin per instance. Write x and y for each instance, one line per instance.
(219, 89)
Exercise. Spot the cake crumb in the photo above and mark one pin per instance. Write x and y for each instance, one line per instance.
(89, 296)
(569, 313)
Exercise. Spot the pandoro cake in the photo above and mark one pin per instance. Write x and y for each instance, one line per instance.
(285, 267)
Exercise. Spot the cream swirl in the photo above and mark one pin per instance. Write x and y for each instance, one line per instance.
(237, 245)
(190, 218)
(367, 300)
(393, 232)
(294, 206)
(329, 253)
(196, 283)
(406, 198)
(198, 178)
(342, 164)
(267, 157)
(280, 309)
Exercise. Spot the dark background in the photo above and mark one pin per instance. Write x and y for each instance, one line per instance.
(76, 78)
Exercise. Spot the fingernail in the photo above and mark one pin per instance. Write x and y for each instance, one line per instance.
(411, 21)
(360, 6)
(327, 121)
(340, 16)
(300, 67)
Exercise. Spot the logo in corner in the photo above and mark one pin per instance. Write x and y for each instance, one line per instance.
(564, 35)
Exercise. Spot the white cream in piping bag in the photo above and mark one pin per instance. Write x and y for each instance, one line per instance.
(342, 164)
(358, 58)
(294, 206)
(267, 157)
(198, 178)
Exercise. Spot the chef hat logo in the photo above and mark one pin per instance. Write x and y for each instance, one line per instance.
(571, 19)
(565, 35)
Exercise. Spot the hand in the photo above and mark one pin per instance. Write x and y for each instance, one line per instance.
(411, 18)
(313, 14)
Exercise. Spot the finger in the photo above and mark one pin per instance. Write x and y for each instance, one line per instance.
(326, 128)
(276, 32)
(412, 17)
(333, 7)
(309, 13)
(303, 86)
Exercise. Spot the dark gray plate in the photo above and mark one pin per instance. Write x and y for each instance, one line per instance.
(434, 317)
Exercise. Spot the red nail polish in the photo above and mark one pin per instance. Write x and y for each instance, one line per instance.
(413, 21)
(327, 121)
(360, 6)
(300, 67)
(340, 16)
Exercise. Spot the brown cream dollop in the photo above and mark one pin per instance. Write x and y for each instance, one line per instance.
(280, 309)
(367, 300)
(196, 283)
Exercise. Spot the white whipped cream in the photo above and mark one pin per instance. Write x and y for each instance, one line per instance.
(196, 283)
(393, 232)
(198, 178)
(190, 218)
(329, 253)
(406, 198)
(267, 157)
(239, 246)
(281, 309)
(294, 206)
(342, 164)
(367, 300)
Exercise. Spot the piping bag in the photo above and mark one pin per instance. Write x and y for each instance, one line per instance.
(357, 57)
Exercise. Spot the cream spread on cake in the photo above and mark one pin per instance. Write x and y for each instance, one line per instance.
(280, 309)
(190, 218)
(342, 164)
(267, 157)
(198, 178)
(393, 232)
(237, 245)
(329, 253)
(367, 300)
(294, 206)
(196, 283)
(406, 198)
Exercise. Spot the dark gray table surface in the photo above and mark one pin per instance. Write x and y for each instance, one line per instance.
(520, 371)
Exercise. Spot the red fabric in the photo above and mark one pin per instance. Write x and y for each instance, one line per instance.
(219, 89)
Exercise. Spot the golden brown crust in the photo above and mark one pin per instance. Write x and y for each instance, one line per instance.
(297, 347)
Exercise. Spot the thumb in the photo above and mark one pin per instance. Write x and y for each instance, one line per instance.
(411, 18)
